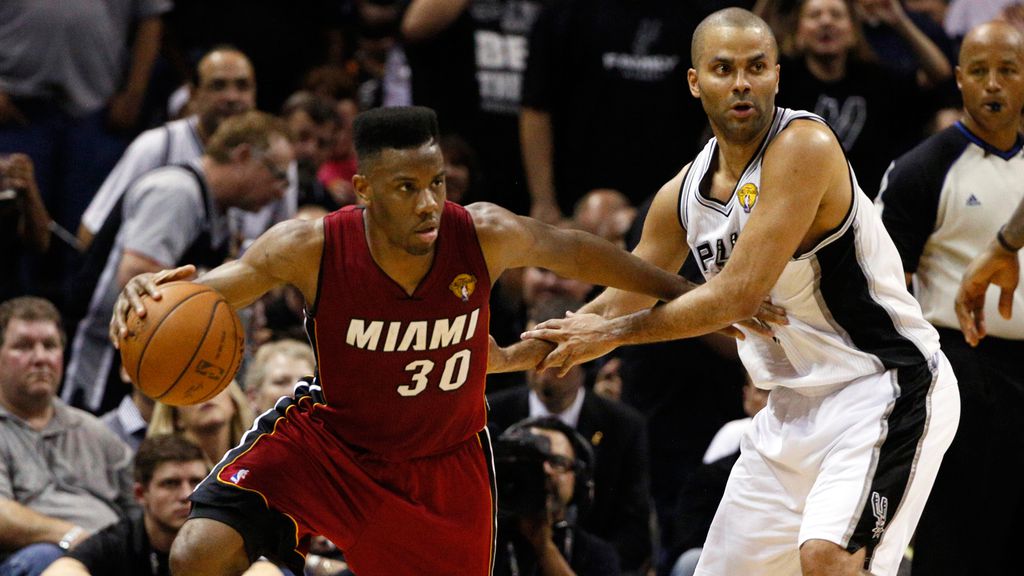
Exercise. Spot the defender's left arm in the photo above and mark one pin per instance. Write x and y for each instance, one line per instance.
(802, 197)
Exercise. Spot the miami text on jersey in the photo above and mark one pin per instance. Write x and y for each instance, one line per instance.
(415, 335)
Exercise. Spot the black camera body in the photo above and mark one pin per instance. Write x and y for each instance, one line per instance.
(519, 457)
(519, 468)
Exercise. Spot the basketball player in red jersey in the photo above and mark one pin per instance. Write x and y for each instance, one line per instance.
(385, 452)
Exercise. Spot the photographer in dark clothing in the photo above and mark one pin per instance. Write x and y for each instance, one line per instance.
(544, 469)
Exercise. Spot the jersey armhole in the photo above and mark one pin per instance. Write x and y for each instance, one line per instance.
(311, 310)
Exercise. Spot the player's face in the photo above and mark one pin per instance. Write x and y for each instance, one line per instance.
(991, 80)
(824, 28)
(736, 81)
(404, 191)
(31, 360)
(226, 87)
(165, 498)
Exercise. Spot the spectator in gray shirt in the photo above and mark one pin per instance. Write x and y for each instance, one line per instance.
(63, 474)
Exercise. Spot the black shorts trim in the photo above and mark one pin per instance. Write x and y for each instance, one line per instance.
(897, 457)
(266, 532)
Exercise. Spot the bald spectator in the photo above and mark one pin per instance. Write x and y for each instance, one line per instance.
(606, 213)
(226, 87)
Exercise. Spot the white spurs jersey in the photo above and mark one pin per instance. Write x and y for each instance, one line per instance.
(850, 314)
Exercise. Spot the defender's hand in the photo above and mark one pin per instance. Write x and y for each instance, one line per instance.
(130, 297)
(577, 339)
(761, 323)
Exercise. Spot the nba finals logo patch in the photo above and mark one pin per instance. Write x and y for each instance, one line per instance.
(748, 197)
(462, 286)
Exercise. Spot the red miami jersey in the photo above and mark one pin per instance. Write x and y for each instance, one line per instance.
(402, 376)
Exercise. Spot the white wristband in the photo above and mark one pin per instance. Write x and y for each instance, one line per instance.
(69, 538)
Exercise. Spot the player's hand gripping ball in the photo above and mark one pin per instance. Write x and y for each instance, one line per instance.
(187, 348)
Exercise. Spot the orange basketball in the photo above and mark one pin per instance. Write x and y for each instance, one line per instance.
(187, 348)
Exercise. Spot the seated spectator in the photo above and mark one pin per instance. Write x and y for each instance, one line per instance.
(461, 172)
(131, 417)
(167, 468)
(173, 215)
(620, 512)
(546, 541)
(63, 474)
(274, 370)
(24, 221)
(727, 439)
(314, 124)
(336, 173)
(215, 425)
(606, 213)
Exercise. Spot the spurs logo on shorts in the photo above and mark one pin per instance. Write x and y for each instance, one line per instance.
(880, 508)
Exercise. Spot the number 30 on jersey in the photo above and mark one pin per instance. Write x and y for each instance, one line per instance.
(456, 370)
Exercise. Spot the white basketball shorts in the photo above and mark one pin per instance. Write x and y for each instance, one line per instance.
(852, 466)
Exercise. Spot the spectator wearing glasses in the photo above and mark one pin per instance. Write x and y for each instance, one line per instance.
(176, 215)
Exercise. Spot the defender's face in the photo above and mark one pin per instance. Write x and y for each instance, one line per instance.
(736, 80)
(991, 79)
(404, 191)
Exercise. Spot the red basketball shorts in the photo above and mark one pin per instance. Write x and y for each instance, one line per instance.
(290, 480)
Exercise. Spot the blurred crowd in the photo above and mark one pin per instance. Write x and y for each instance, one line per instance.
(574, 112)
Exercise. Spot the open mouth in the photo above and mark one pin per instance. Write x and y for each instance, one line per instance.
(993, 106)
(742, 109)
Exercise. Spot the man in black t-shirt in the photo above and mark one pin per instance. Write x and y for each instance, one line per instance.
(166, 470)
(605, 100)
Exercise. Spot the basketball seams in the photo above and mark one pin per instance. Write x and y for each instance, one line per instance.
(156, 329)
(232, 367)
(195, 351)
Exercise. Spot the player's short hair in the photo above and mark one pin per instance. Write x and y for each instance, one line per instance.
(29, 309)
(160, 449)
(400, 128)
(728, 18)
(253, 128)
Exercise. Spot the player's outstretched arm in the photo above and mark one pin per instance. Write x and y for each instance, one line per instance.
(512, 241)
(793, 212)
(288, 253)
(998, 264)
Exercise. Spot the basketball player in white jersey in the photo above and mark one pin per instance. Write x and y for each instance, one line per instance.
(834, 473)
